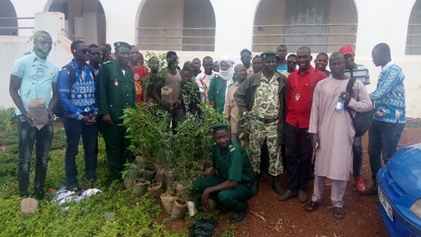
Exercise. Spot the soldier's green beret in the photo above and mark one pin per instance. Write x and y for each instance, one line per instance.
(122, 44)
(245, 51)
(219, 126)
(268, 54)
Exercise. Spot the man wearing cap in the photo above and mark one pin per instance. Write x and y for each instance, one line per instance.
(231, 181)
(299, 95)
(245, 55)
(116, 91)
(106, 53)
(359, 72)
(260, 99)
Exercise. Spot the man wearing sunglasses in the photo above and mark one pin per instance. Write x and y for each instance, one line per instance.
(77, 87)
(291, 64)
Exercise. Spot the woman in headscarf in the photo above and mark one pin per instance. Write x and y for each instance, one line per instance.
(219, 85)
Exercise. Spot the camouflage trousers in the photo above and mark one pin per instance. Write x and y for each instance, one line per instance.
(258, 134)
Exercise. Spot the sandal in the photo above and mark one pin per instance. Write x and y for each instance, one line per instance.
(311, 206)
(339, 213)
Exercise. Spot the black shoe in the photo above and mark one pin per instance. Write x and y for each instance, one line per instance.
(72, 187)
(223, 210)
(287, 195)
(276, 185)
(39, 194)
(236, 217)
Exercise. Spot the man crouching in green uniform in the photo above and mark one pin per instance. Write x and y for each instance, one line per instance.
(231, 181)
(116, 91)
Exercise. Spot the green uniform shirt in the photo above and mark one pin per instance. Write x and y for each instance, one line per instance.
(115, 90)
(234, 164)
(217, 90)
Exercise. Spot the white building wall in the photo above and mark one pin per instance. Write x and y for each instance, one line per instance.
(120, 18)
(25, 8)
(378, 21)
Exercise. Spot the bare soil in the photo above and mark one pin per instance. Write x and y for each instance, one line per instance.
(269, 217)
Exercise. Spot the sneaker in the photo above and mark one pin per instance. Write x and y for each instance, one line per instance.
(328, 182)
(359, 184)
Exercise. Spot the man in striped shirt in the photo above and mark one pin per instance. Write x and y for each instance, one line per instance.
(359, 72)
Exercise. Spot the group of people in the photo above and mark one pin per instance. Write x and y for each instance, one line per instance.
(279, 107)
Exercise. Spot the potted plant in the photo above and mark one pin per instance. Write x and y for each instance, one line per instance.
(191, 145)
(129, 174)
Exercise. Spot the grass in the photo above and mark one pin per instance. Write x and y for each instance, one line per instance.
(111, 213)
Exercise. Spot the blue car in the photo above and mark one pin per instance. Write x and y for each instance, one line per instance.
(400, 192)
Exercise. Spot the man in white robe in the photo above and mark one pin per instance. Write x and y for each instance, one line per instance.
(333, 132)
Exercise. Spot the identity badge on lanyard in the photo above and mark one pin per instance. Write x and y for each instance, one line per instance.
(299, 86)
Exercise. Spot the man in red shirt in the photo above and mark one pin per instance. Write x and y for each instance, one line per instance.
(140, 71)
(299, 97)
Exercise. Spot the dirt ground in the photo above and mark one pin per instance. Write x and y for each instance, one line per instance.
(269, 217)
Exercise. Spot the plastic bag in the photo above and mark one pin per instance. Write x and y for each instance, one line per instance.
(38, 110)
(203, 228)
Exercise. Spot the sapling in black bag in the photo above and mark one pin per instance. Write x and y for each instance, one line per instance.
(361, 121)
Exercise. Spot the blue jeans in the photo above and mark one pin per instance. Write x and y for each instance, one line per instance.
(27, 137)
(357, 148)
(383, 139)
(299, 156)
(75, 129)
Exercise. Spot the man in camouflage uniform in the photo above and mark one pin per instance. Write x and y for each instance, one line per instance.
(260, 99)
